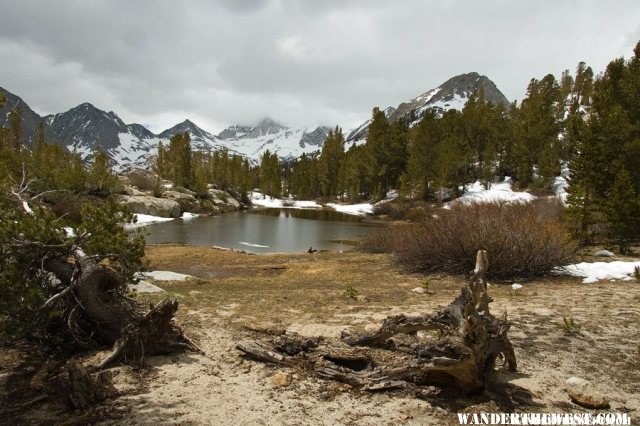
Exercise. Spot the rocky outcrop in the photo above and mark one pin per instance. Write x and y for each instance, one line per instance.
(152, 206)
(223, 199)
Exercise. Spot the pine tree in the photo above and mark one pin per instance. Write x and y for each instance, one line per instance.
(101, 180)
(15, 129)
(179, 158)
(622, 211)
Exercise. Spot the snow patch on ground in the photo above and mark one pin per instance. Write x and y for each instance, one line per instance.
(501, 191)
(561, 183)
(596, 271)
(259, 199)
(145, 219)
(163, 276)
(361, 209)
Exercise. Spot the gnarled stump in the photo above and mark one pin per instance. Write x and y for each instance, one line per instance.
(469, 342)
(104, 312)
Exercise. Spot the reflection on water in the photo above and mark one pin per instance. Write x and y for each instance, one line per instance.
(266, 230)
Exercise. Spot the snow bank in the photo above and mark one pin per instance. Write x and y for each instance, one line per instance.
(259, 199)
(561, 183)
(145, 219)
(163, 276)
(501, 191)
(355, 209)
(189, 216)
(596, 271)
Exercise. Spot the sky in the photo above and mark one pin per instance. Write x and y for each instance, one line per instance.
(300, 62)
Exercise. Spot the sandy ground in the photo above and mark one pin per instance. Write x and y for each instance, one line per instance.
(305, 293)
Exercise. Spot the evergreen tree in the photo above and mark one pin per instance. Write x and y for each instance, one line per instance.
(15, 129)
(622, 211)
(329, 162)
(101, 180)
(179, 158)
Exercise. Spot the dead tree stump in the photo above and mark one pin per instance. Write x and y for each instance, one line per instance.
(467, 340)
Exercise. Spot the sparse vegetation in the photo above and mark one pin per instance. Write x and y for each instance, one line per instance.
(351, 292)
(569, 325)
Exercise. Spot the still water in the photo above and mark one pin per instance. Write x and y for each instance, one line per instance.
(266, 230)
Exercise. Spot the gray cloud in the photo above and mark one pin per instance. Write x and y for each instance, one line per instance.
(301, 62)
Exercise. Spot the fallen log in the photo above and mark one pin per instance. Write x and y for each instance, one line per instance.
(463, 354)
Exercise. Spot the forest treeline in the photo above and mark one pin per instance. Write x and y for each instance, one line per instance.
(588, 123)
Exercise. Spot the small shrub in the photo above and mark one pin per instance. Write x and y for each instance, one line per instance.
(426, 284)
(351, 292)
(569, 325)
(520, 242)
(636, 273)
(143, 180)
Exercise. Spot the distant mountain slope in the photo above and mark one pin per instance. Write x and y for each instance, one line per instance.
(85, 128)
(452, 94)
(253, 141)
(30, 119)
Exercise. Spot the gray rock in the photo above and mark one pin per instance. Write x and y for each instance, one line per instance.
(152, 206)
(130, 190)
(583, 393)
(603, 253)
(178, 196)
(145, 287)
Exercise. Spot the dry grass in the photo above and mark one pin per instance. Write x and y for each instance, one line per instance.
(309, 283)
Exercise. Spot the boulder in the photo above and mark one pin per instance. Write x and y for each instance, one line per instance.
(223, 198)
(152, 206)
(603, 253)
(177, 196)
(133, 191)
(583, 393)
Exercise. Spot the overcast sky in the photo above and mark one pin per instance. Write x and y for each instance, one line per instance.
(303, 62)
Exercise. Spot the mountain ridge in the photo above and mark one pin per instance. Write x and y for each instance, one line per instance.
(452, 94)
(85, 128)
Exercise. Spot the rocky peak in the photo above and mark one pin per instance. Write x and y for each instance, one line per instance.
(452, 94)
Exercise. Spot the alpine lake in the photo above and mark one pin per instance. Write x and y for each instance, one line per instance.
(268, 230)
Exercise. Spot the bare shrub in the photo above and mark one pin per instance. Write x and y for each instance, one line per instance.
(385, 240)
(520, 242)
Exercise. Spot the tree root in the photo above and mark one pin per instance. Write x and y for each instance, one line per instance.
(461, 353)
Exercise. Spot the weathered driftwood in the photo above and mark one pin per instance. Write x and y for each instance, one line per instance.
(103, 311)
(468, 340)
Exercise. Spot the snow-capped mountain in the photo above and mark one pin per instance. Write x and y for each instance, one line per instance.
(452, 94)
(253, 141)
(85, 128)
